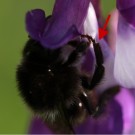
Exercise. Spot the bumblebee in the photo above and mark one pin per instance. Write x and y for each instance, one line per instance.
(53, 85)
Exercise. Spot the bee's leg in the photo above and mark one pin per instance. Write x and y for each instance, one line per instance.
(104, 98)
(87, 103)
(80, 46)
(97, 76)
(99, 108)
(99, 69)
(79, 50)
(89, 84)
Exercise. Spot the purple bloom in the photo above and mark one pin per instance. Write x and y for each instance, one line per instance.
(127, 9)
(65, 23)
(38, 127)
(126, 99)
(70, 19)
(125, 44)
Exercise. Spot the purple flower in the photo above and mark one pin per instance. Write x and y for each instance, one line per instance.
(70, 19)
(127, 101)
(125, 44)
(65, 23)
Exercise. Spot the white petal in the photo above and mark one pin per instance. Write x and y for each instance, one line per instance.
(90, 24)
(124, 69)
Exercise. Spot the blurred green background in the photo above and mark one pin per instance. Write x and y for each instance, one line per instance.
(14, 115)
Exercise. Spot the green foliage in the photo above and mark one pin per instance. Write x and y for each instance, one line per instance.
(14, 116)
(107, 6)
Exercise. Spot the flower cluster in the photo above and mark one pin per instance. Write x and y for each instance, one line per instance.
(70, 19)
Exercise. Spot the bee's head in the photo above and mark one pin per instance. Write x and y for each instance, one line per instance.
(48, 77)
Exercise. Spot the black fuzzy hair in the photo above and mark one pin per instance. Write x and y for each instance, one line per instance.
(42, 77)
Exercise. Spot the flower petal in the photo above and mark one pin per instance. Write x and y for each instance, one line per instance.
(109, 123)
(133, 124)
(127, 10)
(35, 23)
(55, 38)
(96, 4)
(71, 12)
(125, 4)
(67, 19)
(126, 100)
(124, 65)
(112, 35)
(88, 63)
(124, 68)
(108, 79)
(90, 24)
(37, 126)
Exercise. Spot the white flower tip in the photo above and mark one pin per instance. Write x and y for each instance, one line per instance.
(90, 24)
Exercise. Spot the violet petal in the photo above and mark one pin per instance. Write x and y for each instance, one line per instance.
(87, 65)
(127, 102)
(133, 124)
(71, 12)
(108, 78)
(35, 23)
(127, 10)
(109, 123)
(56, 39)
(125, 4)
(37, 126)
(66, 14)
(124, 68)
(96, 4)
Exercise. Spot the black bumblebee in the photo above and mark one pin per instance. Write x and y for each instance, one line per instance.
(54, 87)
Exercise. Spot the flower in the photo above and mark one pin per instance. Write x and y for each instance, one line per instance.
(70, 19)
(125, 44)
(126, 99)
(64, 24)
